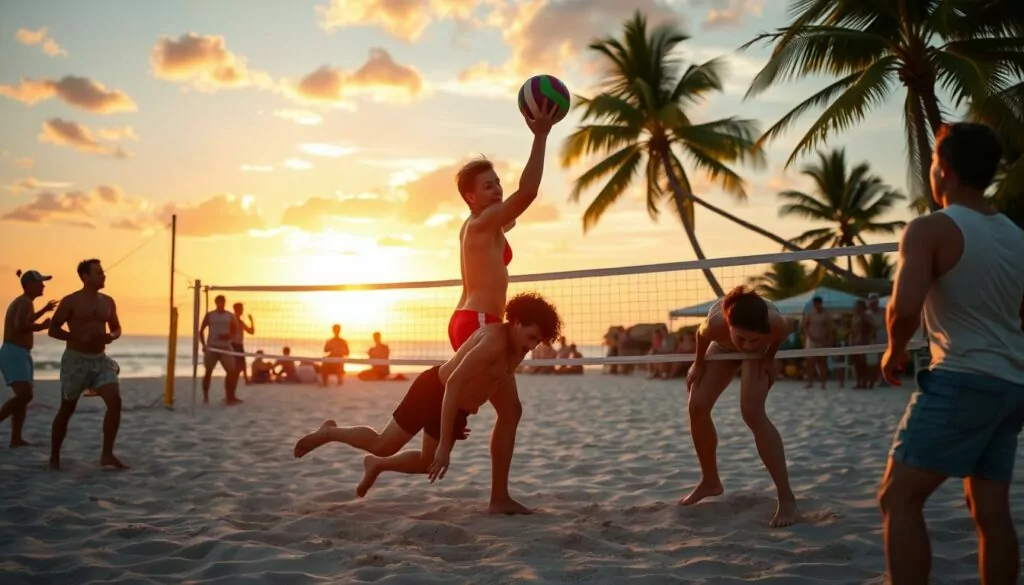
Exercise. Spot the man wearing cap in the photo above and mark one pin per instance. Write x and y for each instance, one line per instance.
(16, 352)
(88, 314)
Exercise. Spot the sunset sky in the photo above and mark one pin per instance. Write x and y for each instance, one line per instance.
(315, 141)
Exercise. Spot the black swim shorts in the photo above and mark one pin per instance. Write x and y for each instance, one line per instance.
(420, 410)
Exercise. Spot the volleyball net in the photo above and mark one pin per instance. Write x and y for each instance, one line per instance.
(640, 314)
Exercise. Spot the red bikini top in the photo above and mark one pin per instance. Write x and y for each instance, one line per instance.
(508, 253)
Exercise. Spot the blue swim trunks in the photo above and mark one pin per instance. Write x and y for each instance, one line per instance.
(16, 364)
(961, 425)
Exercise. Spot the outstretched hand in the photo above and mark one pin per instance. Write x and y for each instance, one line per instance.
(542, 124)
(439, 466)
(50, 305)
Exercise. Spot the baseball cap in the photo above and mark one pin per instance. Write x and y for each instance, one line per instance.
(33, 276)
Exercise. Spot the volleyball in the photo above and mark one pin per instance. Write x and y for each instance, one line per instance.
(539, 91)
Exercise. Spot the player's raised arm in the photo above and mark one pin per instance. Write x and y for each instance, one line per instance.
(504, 215)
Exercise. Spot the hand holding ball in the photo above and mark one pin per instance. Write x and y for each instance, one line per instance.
(544, 94)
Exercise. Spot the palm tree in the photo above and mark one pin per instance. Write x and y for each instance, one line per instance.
(965, 48)
(877, 266)
(853, 203)
(639, 121)
(782, 281)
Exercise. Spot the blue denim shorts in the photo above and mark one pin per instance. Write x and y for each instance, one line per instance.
(961, 425)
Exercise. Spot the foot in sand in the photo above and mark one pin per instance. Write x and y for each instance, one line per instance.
(21, 443)
(314, 439)
(508, 507)
(112, 461)
(704, 489)
(371, 470)
(786, 514)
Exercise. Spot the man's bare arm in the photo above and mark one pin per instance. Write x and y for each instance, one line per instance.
(250, 329)
(498, 216)
(478, 358)
(60, 317)
(202, 329)
(113, 323)
(914, 277)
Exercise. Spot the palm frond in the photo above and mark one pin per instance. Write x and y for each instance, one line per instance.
(613, 189)
(588, 140)
(602, 169)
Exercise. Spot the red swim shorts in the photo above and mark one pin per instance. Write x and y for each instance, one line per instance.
(464, 322)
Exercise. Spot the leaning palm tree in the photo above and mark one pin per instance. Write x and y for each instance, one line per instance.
(639, 122)
(966, 49)
(852, 202)
(782, 281)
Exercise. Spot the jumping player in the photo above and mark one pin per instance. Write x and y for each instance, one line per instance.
(484, 258)
(16, 353)
(441, 399)
(742, 322)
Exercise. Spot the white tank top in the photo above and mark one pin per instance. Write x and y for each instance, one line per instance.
(220, 324)
(972, 313)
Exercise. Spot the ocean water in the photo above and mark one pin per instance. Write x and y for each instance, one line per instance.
(142, 356)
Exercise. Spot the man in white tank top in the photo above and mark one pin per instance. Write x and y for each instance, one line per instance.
(222, 325)
(962, 268)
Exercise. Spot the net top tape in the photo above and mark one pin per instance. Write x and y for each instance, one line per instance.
(823, 254)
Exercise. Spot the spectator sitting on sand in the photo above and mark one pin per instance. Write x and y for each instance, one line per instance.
(573, 354)
(261, 370)
(379, 351)
(284, 369)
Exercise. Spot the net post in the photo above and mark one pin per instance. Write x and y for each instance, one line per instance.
(172, 349)
(195, 340)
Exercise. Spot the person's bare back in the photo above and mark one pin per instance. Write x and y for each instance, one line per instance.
(11, 330)
(481, 383)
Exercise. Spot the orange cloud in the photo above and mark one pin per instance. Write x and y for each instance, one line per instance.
(86, 94)
(78, 136)
(727, 13)
(31, 184)
(203, 61)
(404, 19)
(219, 215)
(40, 37)
(24, 162)
(545, 36)
(118, 134)
(380, 77)
(75, 208)
(318, 213)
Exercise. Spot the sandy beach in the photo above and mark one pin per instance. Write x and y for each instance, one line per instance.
(216, 496)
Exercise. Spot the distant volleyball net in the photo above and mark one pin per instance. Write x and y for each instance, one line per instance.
(623, 316)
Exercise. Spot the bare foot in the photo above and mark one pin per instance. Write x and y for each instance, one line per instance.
(21, 443)
(786, 514)
(314, 439)
(508, 507)
(370, 473)
(111, 461)
(704, 489)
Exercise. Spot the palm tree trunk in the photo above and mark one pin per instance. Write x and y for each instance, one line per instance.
(881, 286)
(924, 147)
(691, 234)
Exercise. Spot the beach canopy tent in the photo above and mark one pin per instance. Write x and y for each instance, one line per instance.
(835, 302)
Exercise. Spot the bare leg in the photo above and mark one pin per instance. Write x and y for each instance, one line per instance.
(60, 430)
(503, 443)
(111, 423)
(754, 388)
(821, 364)
(207, 377)
(908, 553)
(717, 375)
(410, 462)
(16, 408)
(998, 548)
(383, 444)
